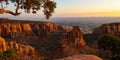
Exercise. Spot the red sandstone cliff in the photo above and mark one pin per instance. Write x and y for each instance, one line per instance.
(72, 41)
(13, 30)
(73, 38)
(19, 48)
(111, 28)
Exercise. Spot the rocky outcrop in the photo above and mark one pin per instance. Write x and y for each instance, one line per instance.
(15, 30)
(19, 29)
(112, 28)
(20, 49)
(72, 41)
(3, 46)
(82, 57)
(74, 38)
(51, 27)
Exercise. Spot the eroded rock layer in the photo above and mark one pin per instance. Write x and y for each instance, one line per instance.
(74, 37)
(19, 48)
(111, 28)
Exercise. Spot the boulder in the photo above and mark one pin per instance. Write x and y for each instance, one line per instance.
(82, 57)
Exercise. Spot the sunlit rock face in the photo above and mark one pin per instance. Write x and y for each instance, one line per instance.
(3, 46)
(74, 38)
(112, 28)
(72, 41)
(82, 57)
(15, 30)
(51, 27)
(19, 48)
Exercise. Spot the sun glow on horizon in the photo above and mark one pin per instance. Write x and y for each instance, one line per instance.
(89, 14)
(88, 8)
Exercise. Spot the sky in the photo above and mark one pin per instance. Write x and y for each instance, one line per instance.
(79, 8)
(88, 8)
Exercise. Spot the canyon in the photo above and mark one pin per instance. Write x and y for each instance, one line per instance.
(49, 41)
(45, 40)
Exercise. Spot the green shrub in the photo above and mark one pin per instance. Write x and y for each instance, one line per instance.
(110, 43)
(7, 55)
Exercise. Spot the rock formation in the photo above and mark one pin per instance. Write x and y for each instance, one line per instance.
(72, 41)
(74, 37)
(20, 49)
(3, 46)
(51, 27)
(82, 57)
(14, 30)
(111, 28)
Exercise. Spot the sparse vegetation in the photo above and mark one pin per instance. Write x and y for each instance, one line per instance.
(8, 55)
(11, 54)
(110, 45)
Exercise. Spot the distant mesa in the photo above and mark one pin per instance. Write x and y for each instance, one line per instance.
(110, 28)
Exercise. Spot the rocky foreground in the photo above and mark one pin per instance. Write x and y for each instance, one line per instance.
(45, 40)
(82, 57)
